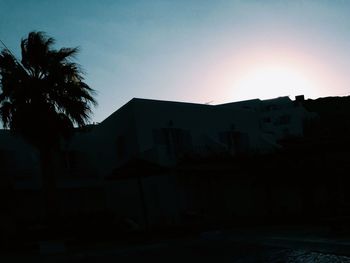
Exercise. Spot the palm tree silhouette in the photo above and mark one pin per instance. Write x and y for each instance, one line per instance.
(42, 97)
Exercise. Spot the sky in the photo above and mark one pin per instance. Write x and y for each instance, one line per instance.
(201, 51)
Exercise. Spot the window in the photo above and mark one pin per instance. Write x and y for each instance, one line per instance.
(283, 119)
(286, 132)
(79, 165)
(181, 140)
(267, 119)
(272, 107)
(226, 138)
(176, 140)
(236, 141)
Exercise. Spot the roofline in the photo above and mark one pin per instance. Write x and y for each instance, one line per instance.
(135, 100)
(171, 101)
(241, 101)
(254, 100)
(118, 110)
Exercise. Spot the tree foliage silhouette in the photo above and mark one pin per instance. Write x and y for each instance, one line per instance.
(43, 96)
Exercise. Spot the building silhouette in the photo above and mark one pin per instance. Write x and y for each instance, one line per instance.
(160, 163)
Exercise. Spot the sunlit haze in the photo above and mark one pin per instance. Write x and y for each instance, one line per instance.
(195, 50)
(267, 81)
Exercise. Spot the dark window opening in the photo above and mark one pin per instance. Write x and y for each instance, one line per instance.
(235, 141)
(283, 119)
(79, 165)
(267, 119)
(177, 141)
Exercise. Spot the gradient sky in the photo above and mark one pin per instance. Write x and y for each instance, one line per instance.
(199, 51)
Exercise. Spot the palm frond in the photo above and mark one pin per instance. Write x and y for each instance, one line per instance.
(45, 93)
(6, 112)
(66, 53)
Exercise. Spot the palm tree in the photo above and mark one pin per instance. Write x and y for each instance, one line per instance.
(42, 97)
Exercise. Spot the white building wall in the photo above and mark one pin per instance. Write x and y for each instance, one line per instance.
(130, 133)
(279, 118)
(203, 122)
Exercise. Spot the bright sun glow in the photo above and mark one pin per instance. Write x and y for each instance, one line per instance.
(273, 81)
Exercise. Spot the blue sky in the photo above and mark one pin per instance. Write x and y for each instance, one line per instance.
(195, 50)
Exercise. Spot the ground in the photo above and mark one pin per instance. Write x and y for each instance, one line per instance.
(272, 245)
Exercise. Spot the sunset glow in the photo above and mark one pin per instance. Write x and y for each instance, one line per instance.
(268, 81)
(195, 51)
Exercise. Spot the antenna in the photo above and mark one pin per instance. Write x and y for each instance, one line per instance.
(7, 49)
(3, 44)
(14, 57)
(209, 102)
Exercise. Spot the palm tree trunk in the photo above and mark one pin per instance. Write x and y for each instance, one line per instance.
(48, 185)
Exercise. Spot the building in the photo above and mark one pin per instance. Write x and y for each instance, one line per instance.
(278, 118)
(162, 133)
(18, 160)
